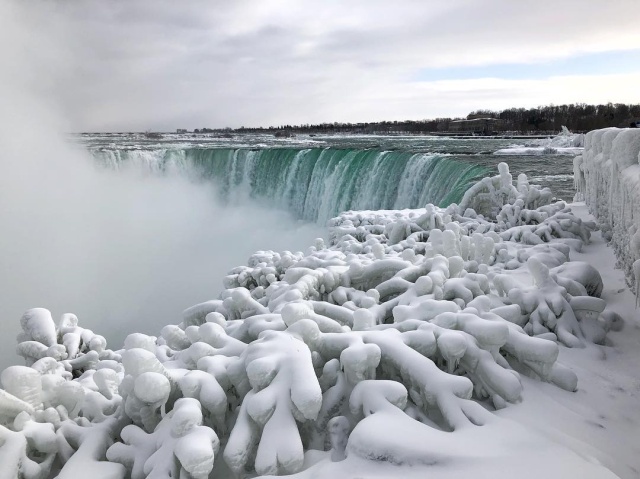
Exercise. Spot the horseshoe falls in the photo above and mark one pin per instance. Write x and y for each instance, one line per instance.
(314, 184)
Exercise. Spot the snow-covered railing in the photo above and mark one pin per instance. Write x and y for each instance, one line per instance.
(607, 178)
(408, 317)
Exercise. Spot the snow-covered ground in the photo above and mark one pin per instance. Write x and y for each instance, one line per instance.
(565, 143)
(602, 418)
(493, 338)
(552, 432)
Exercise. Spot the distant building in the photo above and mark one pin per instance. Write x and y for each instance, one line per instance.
(482, 126)
(283, 134)
(477, 116)
(635, 124)
(443, 125)
(181, 130)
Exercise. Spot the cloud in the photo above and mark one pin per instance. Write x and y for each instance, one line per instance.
(459, 97)
(162, 65)
(123, 250)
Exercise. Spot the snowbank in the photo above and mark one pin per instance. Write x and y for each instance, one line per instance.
(391, 345)
(607, 177)
(565, 143)
(518, 150)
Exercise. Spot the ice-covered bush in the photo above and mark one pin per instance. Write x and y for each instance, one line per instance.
(422, 316)
(180, 446)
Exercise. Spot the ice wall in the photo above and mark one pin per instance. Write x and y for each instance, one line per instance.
(607, 177)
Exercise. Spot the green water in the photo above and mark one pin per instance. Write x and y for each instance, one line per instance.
(315, 183)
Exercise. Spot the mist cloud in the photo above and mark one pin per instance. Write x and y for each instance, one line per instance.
(128, 253)
(124, 251)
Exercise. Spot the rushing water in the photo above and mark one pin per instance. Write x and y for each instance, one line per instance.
(316, 177)
(315, 184)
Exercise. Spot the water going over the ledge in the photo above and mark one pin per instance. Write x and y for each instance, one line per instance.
(314, 184)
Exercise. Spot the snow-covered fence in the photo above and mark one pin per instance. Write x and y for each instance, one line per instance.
(607, 178)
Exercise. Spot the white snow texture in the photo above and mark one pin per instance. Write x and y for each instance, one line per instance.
(394, 343)
(565, 143)
(607, 178)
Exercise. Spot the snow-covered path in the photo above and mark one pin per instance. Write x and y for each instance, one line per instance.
(602, 418)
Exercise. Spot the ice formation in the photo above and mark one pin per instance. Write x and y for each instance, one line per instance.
(565, 143)
(607, 178)
(425, 318)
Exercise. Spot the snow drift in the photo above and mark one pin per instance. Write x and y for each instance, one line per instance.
(415, 322)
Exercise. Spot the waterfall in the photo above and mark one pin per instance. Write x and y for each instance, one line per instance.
(314, 184)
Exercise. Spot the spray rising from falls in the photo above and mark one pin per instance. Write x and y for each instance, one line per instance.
(314, 184)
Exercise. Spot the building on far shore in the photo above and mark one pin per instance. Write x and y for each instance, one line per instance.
(480, 126)
(181, 130)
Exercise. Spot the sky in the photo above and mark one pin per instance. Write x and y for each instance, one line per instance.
(115, 65)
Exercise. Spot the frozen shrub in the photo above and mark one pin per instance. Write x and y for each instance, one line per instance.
(409, 318)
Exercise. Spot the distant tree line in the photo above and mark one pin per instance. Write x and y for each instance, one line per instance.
(407, 126)
(578, 117)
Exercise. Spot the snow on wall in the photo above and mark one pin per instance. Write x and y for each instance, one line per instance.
(607, 178)
(408, 321)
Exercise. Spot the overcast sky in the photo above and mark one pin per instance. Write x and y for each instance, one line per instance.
(138, 65)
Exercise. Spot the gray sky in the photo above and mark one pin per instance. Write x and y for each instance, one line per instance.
(160, 65)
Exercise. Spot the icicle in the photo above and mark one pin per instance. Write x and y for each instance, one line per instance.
(636, 275)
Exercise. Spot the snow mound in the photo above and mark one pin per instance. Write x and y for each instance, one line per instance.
(393, 343)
